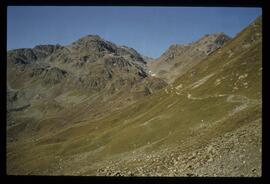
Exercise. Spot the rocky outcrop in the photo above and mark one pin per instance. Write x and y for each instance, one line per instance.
(52, 75)
(28, 56)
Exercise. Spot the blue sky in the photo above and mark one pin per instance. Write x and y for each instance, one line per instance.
(149, 30)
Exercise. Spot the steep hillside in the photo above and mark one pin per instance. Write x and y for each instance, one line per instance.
(206, 123)
(180, 58)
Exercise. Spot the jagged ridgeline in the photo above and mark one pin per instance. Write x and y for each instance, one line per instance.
(91, 108)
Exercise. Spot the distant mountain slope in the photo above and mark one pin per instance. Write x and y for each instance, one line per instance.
(179, 58)
(206, 123)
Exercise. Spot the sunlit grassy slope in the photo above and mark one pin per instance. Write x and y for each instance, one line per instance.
(218, 95)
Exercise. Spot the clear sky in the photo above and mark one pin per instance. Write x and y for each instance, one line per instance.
(149, 30)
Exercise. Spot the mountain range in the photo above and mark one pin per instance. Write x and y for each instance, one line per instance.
(97, 108)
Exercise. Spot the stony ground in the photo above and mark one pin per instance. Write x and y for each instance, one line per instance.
(236, 153)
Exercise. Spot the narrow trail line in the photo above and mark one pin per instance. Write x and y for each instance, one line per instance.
(230, 98)
(245, 103)
(242, 99)
(180, 90)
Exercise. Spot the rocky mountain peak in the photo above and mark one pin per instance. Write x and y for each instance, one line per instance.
(216, 34)
(88, 38)
(214, 38)
(210, 42)
(94, 43)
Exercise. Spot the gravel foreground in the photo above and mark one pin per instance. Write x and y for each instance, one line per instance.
(234, 154)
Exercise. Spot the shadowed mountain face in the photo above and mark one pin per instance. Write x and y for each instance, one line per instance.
(180, 58)
(90, 108)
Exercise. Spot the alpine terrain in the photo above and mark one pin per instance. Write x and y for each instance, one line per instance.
(95, 108)
(180, 58)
